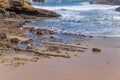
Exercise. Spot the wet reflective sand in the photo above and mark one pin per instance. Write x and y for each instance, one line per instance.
(83, 66)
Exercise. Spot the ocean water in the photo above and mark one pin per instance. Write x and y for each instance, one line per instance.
(80, 17)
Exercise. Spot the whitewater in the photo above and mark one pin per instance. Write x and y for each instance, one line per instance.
(81, 18)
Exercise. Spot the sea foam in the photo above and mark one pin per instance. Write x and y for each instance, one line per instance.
(85, 18)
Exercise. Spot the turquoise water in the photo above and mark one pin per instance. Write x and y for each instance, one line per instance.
(59, 2)
(80, 17)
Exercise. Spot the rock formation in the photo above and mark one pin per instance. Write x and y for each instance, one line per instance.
(18, 8)
(111, 2)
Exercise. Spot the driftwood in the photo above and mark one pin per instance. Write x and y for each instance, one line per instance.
(42, 53)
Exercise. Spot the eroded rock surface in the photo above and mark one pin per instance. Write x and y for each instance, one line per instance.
(19, 8)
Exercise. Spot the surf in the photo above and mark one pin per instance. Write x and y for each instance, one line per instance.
(80, 17)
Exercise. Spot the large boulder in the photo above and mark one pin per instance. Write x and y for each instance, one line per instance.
(26, 8)
(111, 2)
(22, 8)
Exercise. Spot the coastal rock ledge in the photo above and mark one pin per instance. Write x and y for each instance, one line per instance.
(21, 8)
(110, 2)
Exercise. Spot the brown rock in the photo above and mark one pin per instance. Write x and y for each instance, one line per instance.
(3, 36)
(16, 2)
(39, 32)
(52, 37)
(32, 30)
(14, 40)
(10, 15)
(23, 9)
(27, 16)
(1, 16)
(28, 41)
(19, 8)
(96, 50)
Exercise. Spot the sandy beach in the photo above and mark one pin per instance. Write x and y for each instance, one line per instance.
(86, 65)
(59, 40)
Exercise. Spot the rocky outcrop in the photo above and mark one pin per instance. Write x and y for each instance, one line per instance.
(33, 12)
(111, 2)
(20, 8)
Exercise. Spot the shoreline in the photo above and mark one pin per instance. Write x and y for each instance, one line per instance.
(67, 54)
(28, 53)
(104, 64)
(47, 44)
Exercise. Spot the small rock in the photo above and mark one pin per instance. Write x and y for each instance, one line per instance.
(3, 36)
(27, 21)
(14, 40)
(28, 41)
(32, 30)
(52, 37)
(96, 50)
(39, 32)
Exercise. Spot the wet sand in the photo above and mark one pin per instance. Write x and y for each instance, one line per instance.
(86, 65)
